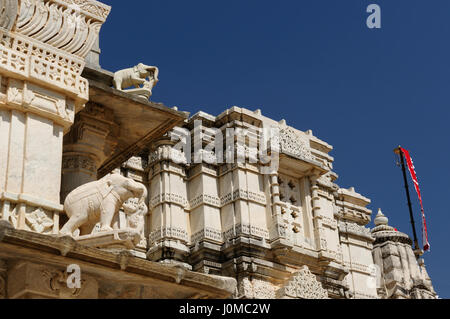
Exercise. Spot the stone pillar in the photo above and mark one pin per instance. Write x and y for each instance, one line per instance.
(319, 235)
(41, 90)
(86, 147)
(169, 219)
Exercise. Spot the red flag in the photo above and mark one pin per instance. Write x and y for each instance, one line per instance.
(412, 171)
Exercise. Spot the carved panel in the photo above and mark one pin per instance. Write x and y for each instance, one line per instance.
(256, 289)
(293, 145)
(303, 285)
(39, 220)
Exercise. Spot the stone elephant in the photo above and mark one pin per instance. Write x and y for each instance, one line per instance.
(99, 201)
(136, 76)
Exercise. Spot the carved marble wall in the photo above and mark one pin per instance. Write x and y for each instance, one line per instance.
(42, 49)
(225, 218)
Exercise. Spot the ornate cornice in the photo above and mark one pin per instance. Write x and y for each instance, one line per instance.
(69, 25)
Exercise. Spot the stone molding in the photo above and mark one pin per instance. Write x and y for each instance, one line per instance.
(208, 233)
(168, 198)
(355, 266)
(355, 230)
(78, 162)
(245, 229)
(169, 233)
(24, 59)
(206, 199)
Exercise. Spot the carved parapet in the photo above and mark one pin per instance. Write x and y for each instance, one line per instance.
(32, 214)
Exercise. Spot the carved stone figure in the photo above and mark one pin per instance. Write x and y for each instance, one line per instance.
(99, 201)
(136, 216)
(136, 76)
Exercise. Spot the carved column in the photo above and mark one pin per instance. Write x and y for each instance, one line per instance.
(169, 234)
(43, 45)
(86, 146)
(321, 242)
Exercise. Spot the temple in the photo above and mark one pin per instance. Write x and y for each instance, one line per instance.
(105, 194)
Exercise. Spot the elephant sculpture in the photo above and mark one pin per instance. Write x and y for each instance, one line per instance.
(136, 76)
(99, 201)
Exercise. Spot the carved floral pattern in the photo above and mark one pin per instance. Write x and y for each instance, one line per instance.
(39, 220)
(303, 285)
(292, 144)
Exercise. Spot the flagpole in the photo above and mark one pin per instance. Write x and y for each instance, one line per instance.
(400, 153)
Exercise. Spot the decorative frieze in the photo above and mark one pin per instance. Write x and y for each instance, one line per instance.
(293, 145)
(79, 163)
(358, 267)
(168, 198)
(355, 230)
(208, 233)
(241, 194)
(245, 229)
(44, 66)
(31, 217)
(169, 233)
(204, 199)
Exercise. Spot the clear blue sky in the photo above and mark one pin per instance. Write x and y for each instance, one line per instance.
(317, 65)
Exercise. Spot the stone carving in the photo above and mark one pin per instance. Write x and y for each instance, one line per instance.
(136, 217)
(256, 289)
(79, 162)
(355, 229)
(70, 25)
(57, 282)
(292, 144)
(99, 201)
(137, 76)
(8, 13)
(39, 220)
(303, 285)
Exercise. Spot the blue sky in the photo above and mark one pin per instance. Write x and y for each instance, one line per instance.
(317, 65)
